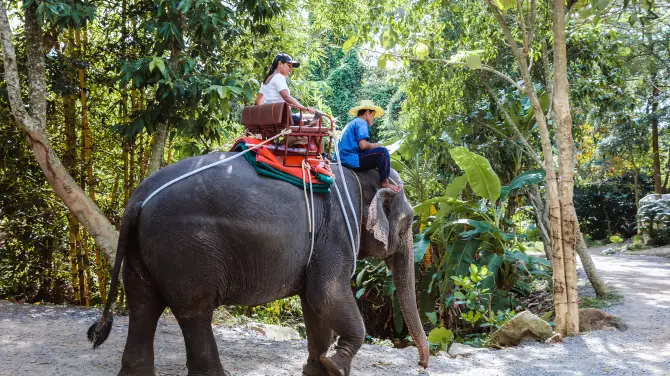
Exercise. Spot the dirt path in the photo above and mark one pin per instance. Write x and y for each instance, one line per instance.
(49, 340)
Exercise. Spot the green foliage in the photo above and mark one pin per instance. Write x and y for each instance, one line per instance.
(474, 266)
(484, 182)
(476, 299)
(283, 311)
(193, 92)
(615, 239)
(33, 242)
(607, 207)
(345, 82)
(530, 177)
(611, 298)
(441, 338)
(62, 14)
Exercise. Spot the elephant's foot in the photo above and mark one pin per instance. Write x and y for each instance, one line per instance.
(220, 372)
(144, 371)
(314, 368)
(336, 365)
(215, 372)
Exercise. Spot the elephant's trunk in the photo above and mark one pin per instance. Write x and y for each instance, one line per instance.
(403, 276)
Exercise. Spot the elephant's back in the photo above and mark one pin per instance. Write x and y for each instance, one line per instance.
(225, 231)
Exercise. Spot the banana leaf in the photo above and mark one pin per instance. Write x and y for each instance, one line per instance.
(457, 262)
(529, 177)
(481, 177)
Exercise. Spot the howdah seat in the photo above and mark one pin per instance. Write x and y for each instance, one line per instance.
(306, 139)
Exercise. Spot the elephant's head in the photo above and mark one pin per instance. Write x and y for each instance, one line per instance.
(387, 235)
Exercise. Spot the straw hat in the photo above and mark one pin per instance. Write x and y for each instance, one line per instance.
(367, 105)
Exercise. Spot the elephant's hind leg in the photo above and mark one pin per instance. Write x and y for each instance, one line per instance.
(146, 305)
(202, 354)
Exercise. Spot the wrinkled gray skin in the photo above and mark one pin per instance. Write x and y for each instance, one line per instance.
(229, 236)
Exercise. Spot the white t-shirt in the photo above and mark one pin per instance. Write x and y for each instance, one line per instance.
(271, 90)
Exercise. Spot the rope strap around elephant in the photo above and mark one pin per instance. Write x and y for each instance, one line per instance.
(281, 134)
(355, 246)
(310, 212)
(310, 208)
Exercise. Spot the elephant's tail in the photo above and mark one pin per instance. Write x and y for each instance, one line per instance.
(98, 332)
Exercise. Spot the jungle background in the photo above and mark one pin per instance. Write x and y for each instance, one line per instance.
(134, 85)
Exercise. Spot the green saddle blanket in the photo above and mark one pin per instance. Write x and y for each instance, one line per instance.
(264, 169)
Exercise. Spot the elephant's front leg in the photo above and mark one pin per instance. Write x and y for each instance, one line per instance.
(319, 339)
(329, 295)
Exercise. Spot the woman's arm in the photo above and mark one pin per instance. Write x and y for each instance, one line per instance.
(288, 98)
(260, 98)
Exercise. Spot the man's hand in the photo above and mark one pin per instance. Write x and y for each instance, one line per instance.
(365, 145)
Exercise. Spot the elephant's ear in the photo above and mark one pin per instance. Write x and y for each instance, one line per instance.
(378, 222)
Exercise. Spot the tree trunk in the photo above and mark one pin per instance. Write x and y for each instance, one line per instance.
(34, 124)
(655, 154)
(158, 147)
(667, 172)
(541, 217)
(73, 227)
(140, 158)
(564, 319)
(131, 166)
(587, 262)
(561, 105)
(70, 163)
(87, 267)
(80, 273)
(126, 170)
(87, 180)
(636, 182)
(114, 202)
(170, 152)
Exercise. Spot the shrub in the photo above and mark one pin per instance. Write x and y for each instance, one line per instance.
(654, 221)
(615, 239)
(608, 207)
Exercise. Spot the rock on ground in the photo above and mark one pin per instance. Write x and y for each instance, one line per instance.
(523, 326)
(459, 350)
(275, 332)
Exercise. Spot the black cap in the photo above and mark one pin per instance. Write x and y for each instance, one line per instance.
(286, 58)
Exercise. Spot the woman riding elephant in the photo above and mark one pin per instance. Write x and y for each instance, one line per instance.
(274, 88)
(229, 236)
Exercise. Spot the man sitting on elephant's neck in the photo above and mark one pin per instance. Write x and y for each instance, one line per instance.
(355, 149)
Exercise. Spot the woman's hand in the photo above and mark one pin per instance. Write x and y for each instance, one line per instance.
(312, 110)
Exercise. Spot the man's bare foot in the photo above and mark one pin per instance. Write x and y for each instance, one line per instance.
(393, 187)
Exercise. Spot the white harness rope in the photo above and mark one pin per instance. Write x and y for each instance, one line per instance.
(355, 246)
(282, 133)
(310, 209)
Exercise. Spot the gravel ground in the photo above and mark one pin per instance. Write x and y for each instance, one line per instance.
(50, 340)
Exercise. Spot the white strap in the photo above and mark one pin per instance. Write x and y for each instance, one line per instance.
(282, 133)
(310, 213)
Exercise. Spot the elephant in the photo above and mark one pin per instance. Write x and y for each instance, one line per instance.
(227, 235)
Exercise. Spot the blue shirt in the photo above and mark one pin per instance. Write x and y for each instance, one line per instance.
(348, 146)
